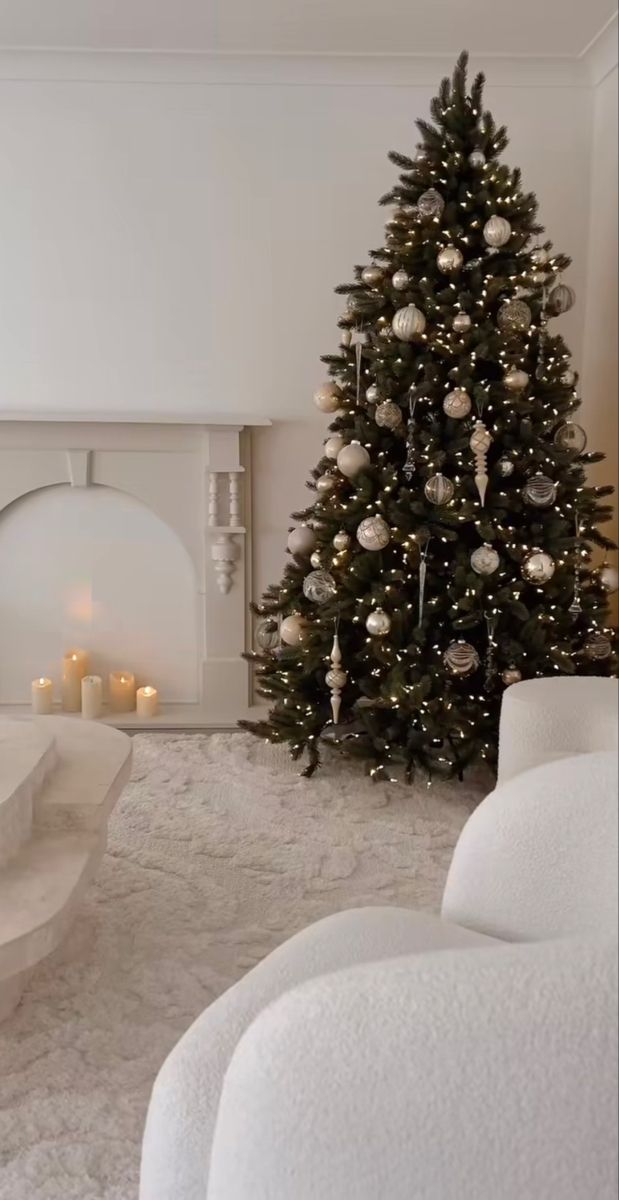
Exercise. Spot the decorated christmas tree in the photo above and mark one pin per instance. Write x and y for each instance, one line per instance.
(449, 550)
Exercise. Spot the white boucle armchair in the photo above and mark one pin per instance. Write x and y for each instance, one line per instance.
(384, 1054)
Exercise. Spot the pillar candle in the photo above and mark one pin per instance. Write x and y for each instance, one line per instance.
(147, 701)
(92, 697)
(74, 667)
(122, 691)
(42, 697)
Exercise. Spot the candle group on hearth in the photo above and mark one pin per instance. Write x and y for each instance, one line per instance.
(83, 692)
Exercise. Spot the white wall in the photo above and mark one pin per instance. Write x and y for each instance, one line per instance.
(175, 245)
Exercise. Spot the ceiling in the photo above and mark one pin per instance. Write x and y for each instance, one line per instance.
(526, 27)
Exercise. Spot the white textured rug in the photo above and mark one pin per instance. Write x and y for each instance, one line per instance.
(218, 852)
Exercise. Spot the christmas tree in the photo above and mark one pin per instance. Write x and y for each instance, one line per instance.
(448, 550)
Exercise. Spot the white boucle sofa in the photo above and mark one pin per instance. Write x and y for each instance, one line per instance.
(384, 1054)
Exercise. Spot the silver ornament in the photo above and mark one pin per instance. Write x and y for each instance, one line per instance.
(328, 397)
(408, 323)
(400, 280)
(315, 559)
(449, 260)
(333, 445)
(372, 394)
(352, 459)
(538, 567)
(388, 415)
(373, 533)
(301, 541)
(335, 679)
(609, 578)
(485, 560)
(477, 159)
(568, 377)
(514, 317)
(267, 633)
(505, 467)
(497, 231)
(319, 587)
(293, 629)
(439, 489)
(430, 205)
(325, 484)
(462, 322)
(342, 540)
(539, 491)
(561, 299)
(515, 380)
(372, 275)
(480, 443)
(539, 256)
(461, 658)
(378, 623)
(511, 675)
(457, 404)
(571, 437)
(598, 647)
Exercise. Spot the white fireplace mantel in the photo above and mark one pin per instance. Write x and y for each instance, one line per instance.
(192, 471)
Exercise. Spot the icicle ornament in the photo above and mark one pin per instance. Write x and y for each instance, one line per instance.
(423, 575)
(336, 678)
(359, 339)
(576, 606)
(409, 465)
(480, 443)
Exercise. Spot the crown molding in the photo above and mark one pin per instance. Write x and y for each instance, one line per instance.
(600, 56)
(287, 70)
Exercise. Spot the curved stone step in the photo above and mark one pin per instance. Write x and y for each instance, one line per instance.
(27, 756)
(93, 764)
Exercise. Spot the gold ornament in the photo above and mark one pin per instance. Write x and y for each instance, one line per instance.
(480, 443)
(293, 629)
(378, 623)
(373, 533)
(388, 415)
(439, 489)
(609, 578)
(400, 280)
(408, 323)
(372, 276)
(511, 675)
(538, 567)
(325, 484)
(457, 404)
(461, 658)
(515, 380)
(342, 540)
(449, 260)
(328, 397)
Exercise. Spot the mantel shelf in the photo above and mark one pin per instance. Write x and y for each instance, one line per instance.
(203, 420)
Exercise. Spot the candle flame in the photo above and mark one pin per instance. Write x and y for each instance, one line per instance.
(149, 691)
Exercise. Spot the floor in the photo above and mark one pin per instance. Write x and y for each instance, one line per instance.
(218, 851)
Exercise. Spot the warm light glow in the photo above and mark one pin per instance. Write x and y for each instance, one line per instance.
(149, 691)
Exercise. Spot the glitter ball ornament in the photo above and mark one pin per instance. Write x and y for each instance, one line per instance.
(572, 437)
(461, 658)
(462, 322)
(597, 647)
(352, 459)
(477, 159)
(333, 445)
(561, 299)
(430, 204)
(372, 394)
(373, 534)
(457, 404)
(485, 560)
(328, 397)
(400, 281)
(449, 260)
(388, 415)
(267, 634)
(378, 623)
(539, 491)
(609, 578)
(514, 317)
(515, 380)
(301, 541)
(372, 275)
(439, 489)
(497, 231)
(293, 630)
(319, 587)
(342, 540)
(539, 256)
(325, 484)
(538, 567)
(505, 467)
(568, 378)
(511, 675)
(408, 323)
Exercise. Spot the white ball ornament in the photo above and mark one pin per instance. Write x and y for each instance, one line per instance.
(319, 587)
(372, 394)
(408, 323)
(316, 560)
(515, 380)
(561, 299)
(372, 276)
(301, 541)
(328, 397)
(538, 567)
(430, 205)
(373, 533)
(457, 404)
(333, 445)
(477, 159)
(342, 540)
(497, 231)
(378, 623)
(293, 630)
(485, 560)
(462, 322)
(609, 578)
(388, 415)
(505, 467)
(400, 280)
(449, 260)
(352, 459)
(325, 484)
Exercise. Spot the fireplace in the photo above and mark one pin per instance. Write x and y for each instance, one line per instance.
(128, 535)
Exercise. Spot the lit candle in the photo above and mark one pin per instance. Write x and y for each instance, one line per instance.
(74, 667)
(42, 697)
(92, 697)
(147, 701)
(122, 691)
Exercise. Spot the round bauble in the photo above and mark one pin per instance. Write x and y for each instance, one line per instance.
(515, 380)
(568, 378)
(372, 394)
(439, 489)
(400, 280)
(539, 256)
(319, 587)
(301, 541)
(505, 467)
(325, 483)
(342, 540)
(378, 623)
(457, 404)
(571, 437)
(461, 658)
(462, 322)
(538, 567)
(388, 415)
(539, 491)
(497, 231)
(597, 647)
(372, 276)
(315, 559)
(293, 629)
(373, 533)
(514, 317)
(352, 459)
(561, 299)
(449, 260)
(477, 159)
(609, 578)
(485, 560)
(511, 675)
(328, 397)
(408, 323)
(430, 205)
(267, 633)
(333, 445)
